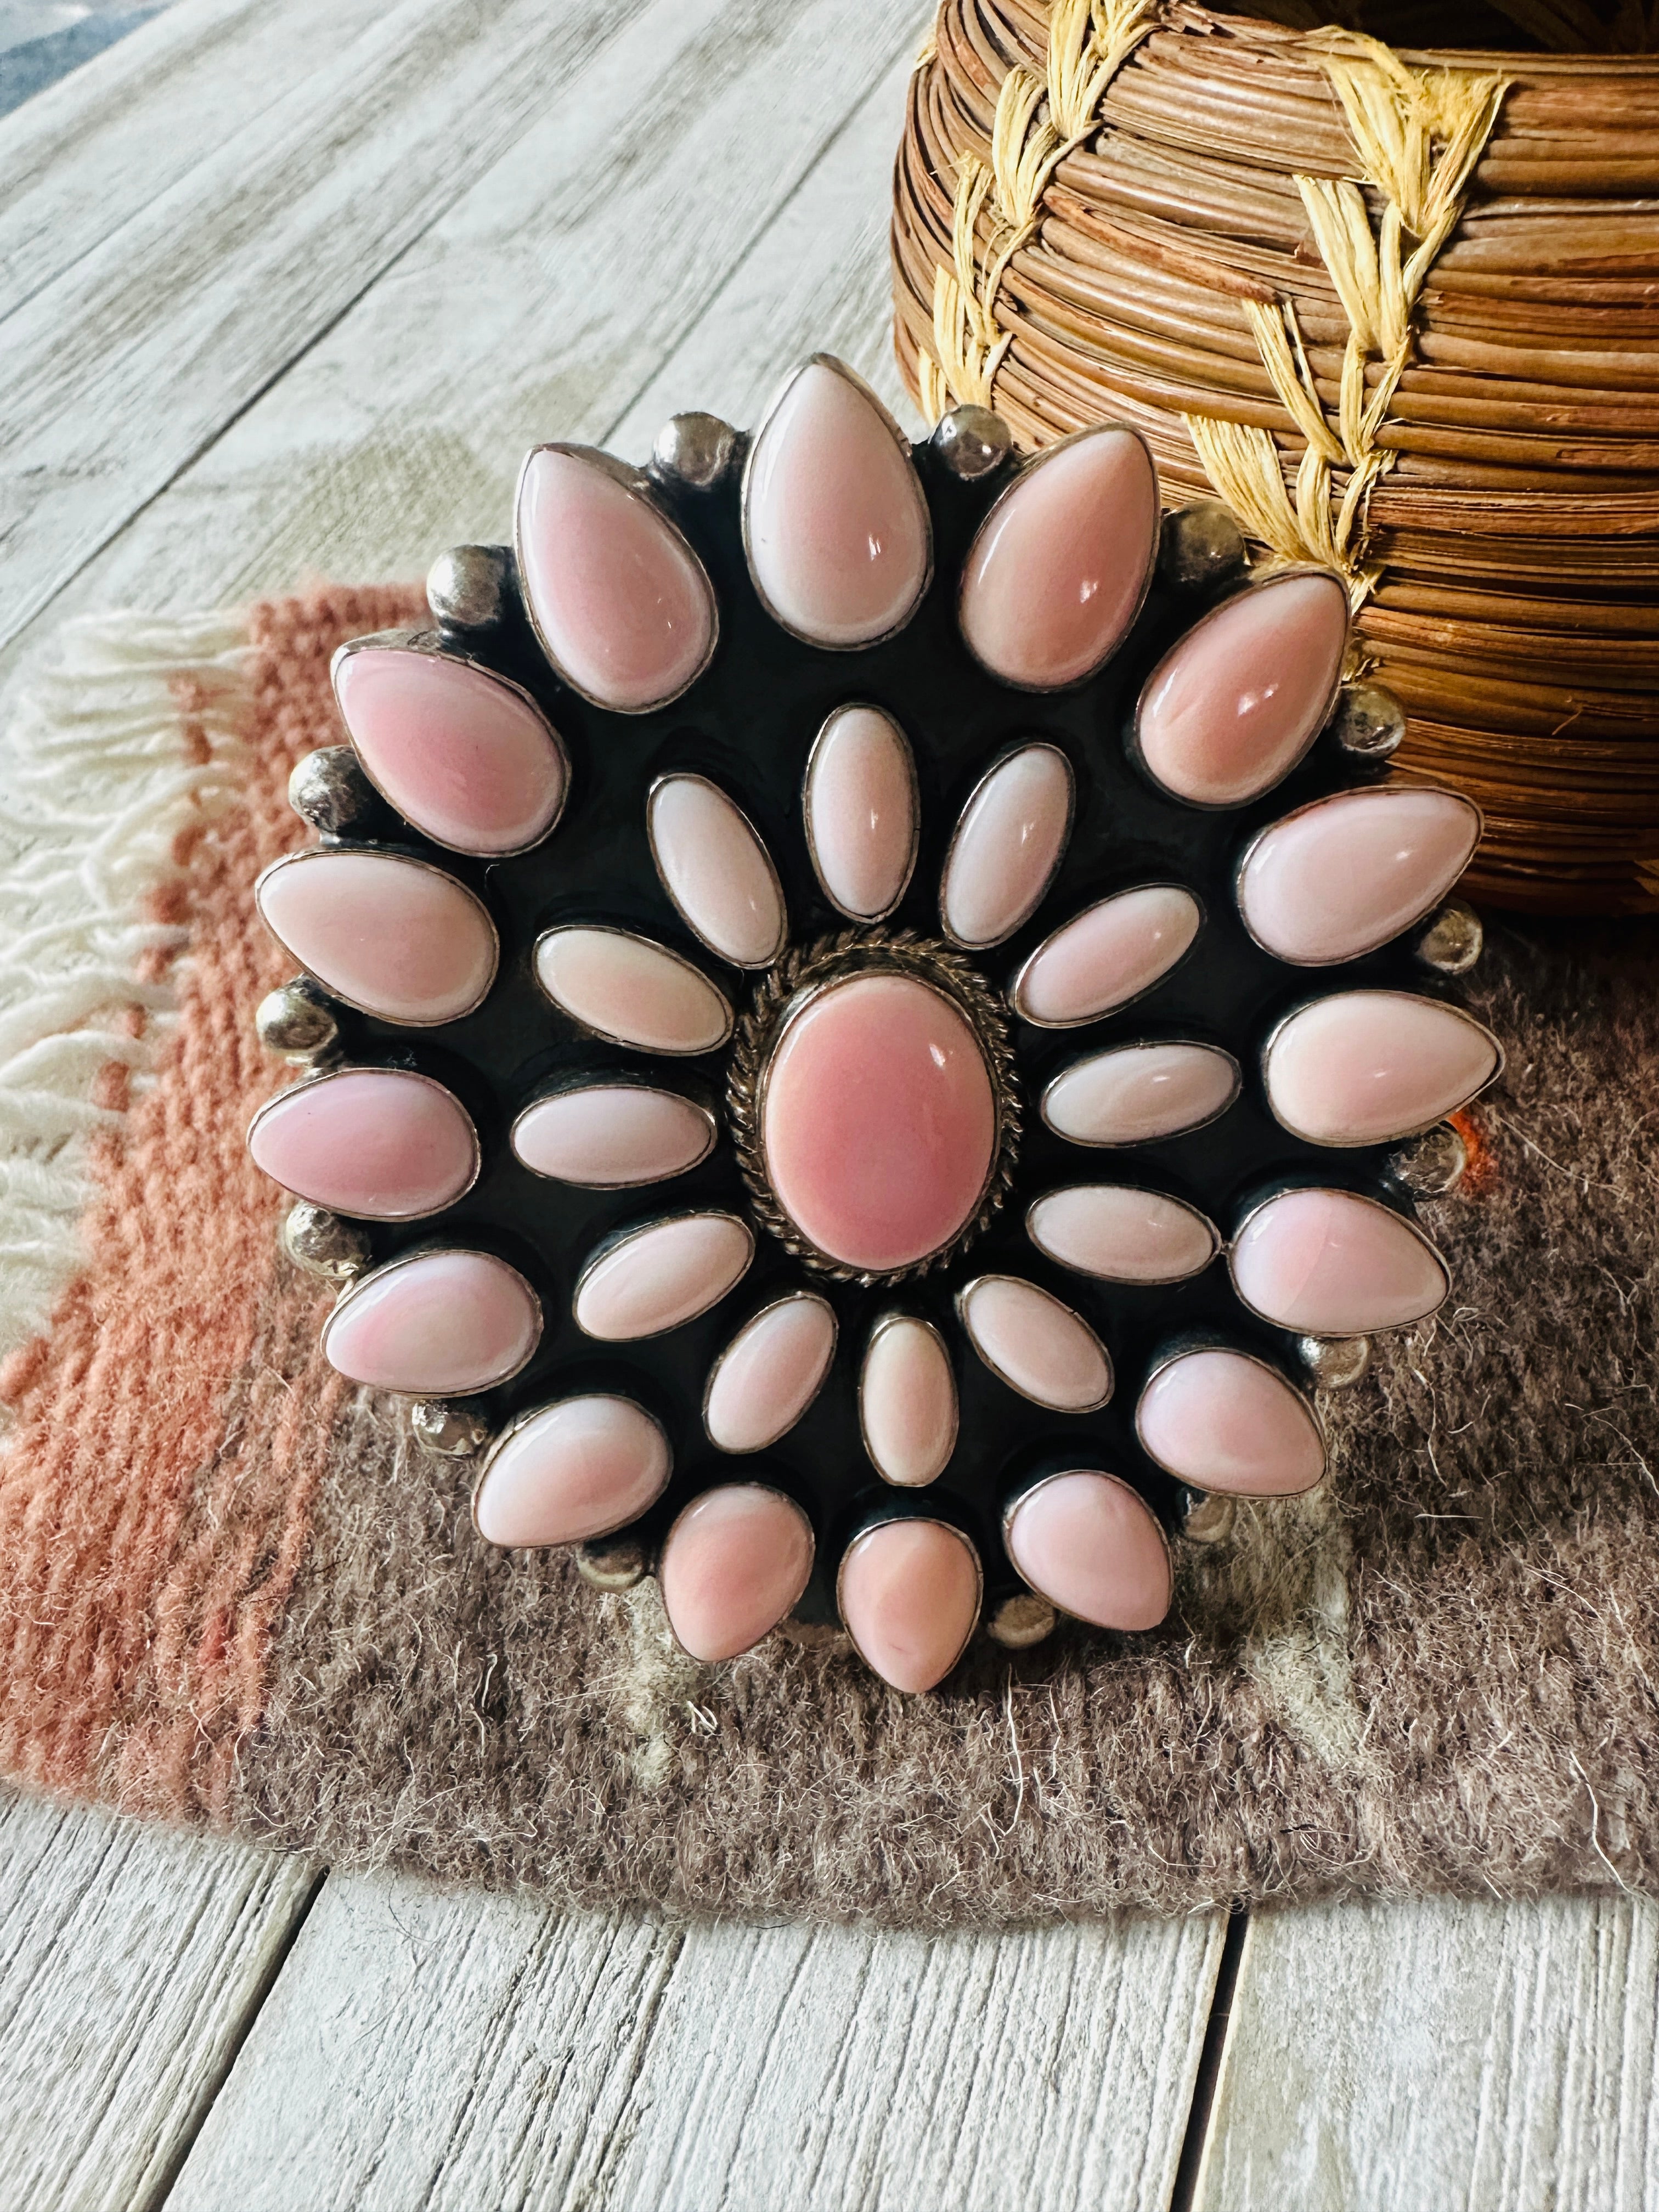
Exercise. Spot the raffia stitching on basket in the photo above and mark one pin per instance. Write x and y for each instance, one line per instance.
(1419, 134)
(1036, 124)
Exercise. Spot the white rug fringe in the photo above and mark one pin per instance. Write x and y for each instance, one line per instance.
(96, 784)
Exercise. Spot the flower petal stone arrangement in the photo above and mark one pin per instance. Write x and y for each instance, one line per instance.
(870, 1020)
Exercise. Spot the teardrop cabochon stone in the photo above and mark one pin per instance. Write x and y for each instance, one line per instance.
(378, 1143)
(1326, 1262)
(567, 1472)
(1060, 565)
(442, 1322)
(1221, 1419)
(909, 1593)
(621, 606)
(384, 932)
(466, 756)
(837, 528)
(1370, 1067)
(1236, 703)
(1090, 1544)
(734, 1564)
(1343, 875)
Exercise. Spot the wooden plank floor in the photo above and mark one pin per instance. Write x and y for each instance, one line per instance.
(287, 287)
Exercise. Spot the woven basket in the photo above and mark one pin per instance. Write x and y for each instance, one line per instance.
(1401, 309)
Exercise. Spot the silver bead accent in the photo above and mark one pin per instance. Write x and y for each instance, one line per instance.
(1206, 1516)
(1369, 722)
(296, 1020)
(971, 441)
(1334, 1363)
(329, 790)
(1202, 547)
(1453, 941)
(467, 586)
(697, 449)
(613, 1563)
(454, 1431)
(1431, 1164)
(323, 1244)
(1021, 1620)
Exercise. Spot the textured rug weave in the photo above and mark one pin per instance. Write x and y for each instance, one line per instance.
(232, 1595)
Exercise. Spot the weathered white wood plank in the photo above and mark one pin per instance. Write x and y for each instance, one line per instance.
(1409, 2058)
(547, 297)
(81, 158)
(131, 1961)
(120, 370)
(471, 2052)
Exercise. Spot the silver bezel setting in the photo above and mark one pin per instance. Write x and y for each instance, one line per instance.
(894, 1318)
(1171, 1355)
(625, 1078)
(1263, 581)
(396, 1074)
(847, 376)
(1394, 1136)
(427, 645)
(987, 777)
(1371, 794)
(761, 1314)
(1026, 470)
(619, 1239)
(406, 1260)
(743, 1482)
(522, 1421)
(653, 944)
(960, 1303)
(799, 981)
(1017, 988)
(868, 707)
(1058, 1475)
(1116, 1051)
(1359, 1198)
(391, 854)
(1130, 1282)
(638, 485)
(658, 785)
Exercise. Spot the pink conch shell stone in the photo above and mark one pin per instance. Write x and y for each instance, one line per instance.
(658, 1277)
(1120, 1235)
(1222, 1421)
(1230, 711)
(861, 808)
(628, 988)
(1059, 568)
(1037, 1345)
(573, 1471)
(442, 1322)
(1136, 1093)
(735, 1562)
(878, 1123)
(769, 1374)
(1007, 846)
(393, 936)
(620, 599)
(1331, 1263)
(608, 1135)
(908, 1402)
(840, 544)
(717, 871)
(1343, 875)
(910, 1596)
(1109, 955)
(1363, 1067)
(460, 755)
(1089, 1544)
(373, 1142)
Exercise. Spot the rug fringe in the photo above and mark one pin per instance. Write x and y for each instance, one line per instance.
(119, 747)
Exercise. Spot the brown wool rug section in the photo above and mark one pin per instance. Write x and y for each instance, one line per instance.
(231, 1594)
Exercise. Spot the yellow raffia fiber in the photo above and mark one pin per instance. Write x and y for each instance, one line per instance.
(1038, 121)
(1418, 134)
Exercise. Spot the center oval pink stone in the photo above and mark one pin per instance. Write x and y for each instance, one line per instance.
(879, 1124)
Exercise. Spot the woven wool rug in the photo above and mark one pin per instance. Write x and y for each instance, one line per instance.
(234, 1596)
